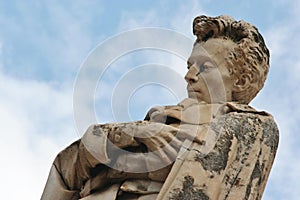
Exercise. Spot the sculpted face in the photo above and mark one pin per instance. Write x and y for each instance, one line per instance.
(208, 77)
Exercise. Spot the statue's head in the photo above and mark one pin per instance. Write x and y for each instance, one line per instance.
(229, 61)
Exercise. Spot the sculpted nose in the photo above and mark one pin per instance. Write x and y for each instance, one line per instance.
(191, 75)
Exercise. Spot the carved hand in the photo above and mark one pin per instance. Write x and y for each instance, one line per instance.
(159, 138)
(122, 134)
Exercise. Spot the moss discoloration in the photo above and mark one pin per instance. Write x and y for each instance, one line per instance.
(245, 128)
(216, 160)
(271, 134)
(189, 191)
(256, 173)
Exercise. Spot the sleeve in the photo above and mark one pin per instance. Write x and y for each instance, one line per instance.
(71, 167)
(56, 189)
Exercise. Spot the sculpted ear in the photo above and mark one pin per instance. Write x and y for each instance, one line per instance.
(242, 83)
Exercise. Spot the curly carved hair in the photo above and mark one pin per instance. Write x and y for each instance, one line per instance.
(248, 62)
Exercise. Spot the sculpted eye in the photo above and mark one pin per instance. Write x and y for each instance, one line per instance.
(206, 66)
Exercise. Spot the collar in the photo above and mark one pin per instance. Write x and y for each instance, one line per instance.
(193, 112)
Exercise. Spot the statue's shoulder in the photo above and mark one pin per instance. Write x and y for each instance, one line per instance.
(245, 108)
(244, 113)
(243, 120)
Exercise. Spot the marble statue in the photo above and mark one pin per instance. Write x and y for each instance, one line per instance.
(212, 145)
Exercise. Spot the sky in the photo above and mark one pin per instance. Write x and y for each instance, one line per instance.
(45, 44)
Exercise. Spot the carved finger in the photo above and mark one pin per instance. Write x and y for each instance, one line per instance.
(163, 156)
(176, 143)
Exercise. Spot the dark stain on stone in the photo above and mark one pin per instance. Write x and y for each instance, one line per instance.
(256, 173)
(232, 180)
(97, 130)
(237, 182)
(244, 128)
(189, 191)
(216, 160)
(271, 135)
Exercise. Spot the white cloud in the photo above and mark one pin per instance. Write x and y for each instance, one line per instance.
(1, 56)
(52, 36)
(21, 167)
(35, 126)
(281, 97)
(186, 13)
(131, 20)
(72, 39)
(276, 39)
(181, 22)
(286, 166)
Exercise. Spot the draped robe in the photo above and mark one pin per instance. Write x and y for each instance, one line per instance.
(232, 161)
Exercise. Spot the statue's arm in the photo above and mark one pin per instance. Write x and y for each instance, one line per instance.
(63, 178)
(71, 168)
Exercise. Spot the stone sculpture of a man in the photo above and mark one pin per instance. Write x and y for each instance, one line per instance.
(223, 148)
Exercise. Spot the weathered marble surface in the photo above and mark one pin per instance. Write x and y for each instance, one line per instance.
(236, 168)
(230, 158)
